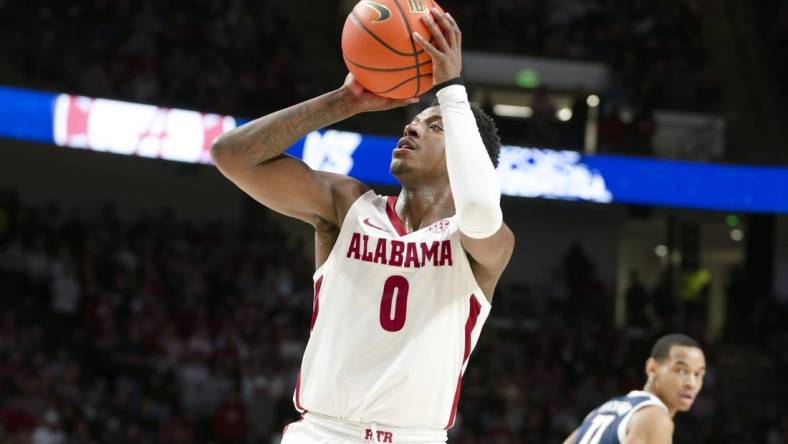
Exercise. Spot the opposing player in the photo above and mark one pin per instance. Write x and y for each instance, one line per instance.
(675, 376)
(403, 283)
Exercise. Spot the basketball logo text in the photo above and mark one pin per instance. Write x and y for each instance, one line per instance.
(416, 6)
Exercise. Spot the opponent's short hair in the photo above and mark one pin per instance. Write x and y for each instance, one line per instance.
(661, 349)
(488, 131)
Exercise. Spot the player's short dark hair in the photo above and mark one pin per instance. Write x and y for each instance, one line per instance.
(488, 131)
(661, 349)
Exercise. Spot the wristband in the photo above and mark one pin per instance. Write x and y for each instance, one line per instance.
(454, 81)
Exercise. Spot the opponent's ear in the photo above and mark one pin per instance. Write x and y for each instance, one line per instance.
(651, 367)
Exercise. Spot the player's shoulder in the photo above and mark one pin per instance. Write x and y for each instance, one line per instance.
(638, 397)
(345, 186)
(345, 191)
(651, 420)
(653, 414)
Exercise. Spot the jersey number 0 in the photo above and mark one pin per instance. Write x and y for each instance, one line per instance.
(393, 307)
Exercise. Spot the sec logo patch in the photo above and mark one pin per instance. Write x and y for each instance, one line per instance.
(440, 226)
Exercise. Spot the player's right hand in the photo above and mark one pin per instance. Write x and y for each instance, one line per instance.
(446, 52)
(362, 100)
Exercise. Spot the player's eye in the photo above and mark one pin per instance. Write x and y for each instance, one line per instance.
(435, 126)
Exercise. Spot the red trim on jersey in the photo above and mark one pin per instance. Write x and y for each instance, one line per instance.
(473, 315)
(316, 302)
(315, 309)
(298, 395)
(391, 205)
(454, 404)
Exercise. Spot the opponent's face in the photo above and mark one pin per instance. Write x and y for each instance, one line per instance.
(421, 149)
(678, 378)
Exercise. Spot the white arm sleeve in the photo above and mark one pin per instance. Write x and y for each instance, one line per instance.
(472, 177)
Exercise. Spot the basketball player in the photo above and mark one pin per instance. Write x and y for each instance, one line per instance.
(403, 283)
(675, 376)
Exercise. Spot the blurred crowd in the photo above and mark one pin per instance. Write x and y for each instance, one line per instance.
(155, 330)
(779, 44)
(250, 57)
(654, 48)
(622, 127)
(233, 57)
(150, 331)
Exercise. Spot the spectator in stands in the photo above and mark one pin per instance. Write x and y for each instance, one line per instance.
(48, 430)
(637, 301)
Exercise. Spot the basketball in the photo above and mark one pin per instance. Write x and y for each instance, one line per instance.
(379, 51)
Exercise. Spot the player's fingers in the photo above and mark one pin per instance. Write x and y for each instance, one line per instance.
(437, 33)
(456, 29)
(427, 46)
(447, 27)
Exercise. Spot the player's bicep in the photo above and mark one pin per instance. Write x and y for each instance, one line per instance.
(489, 257)
(651, 425)
(290, 187)
(491, 253)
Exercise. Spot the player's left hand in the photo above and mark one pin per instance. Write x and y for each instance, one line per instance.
(446, 51)
(361, 100)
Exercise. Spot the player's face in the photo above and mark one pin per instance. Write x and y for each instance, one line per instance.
(421, 149)
(679, 377)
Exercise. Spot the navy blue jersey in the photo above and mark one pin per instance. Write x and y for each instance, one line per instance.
(608, 423)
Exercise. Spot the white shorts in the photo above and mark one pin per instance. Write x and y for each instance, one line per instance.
(318, 429)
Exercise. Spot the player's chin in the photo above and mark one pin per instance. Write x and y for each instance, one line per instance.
(397, 166)
(684, 404)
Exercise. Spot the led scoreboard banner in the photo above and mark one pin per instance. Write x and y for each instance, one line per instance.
(180, 135)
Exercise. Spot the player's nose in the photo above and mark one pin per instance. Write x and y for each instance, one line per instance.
(411, 130)
(692, 382)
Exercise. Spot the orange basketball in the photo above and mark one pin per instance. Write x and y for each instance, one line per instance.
(378, 48)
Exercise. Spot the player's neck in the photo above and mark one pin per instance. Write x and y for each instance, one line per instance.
(425, 205)
(650, 388)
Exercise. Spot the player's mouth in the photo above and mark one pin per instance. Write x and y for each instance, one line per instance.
(687, 398)
(405, 144)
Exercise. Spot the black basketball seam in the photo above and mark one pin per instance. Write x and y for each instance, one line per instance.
(417, 78)
(370, 68)
(372, 34)
(412, 45)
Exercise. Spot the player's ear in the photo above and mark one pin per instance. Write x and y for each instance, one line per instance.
(651, 367)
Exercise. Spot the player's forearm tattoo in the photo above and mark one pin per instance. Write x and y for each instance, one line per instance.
(269, 136)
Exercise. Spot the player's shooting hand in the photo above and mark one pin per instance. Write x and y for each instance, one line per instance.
(362, 100)
(446, 49)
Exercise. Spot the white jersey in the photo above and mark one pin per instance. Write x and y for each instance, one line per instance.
(395, 318)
